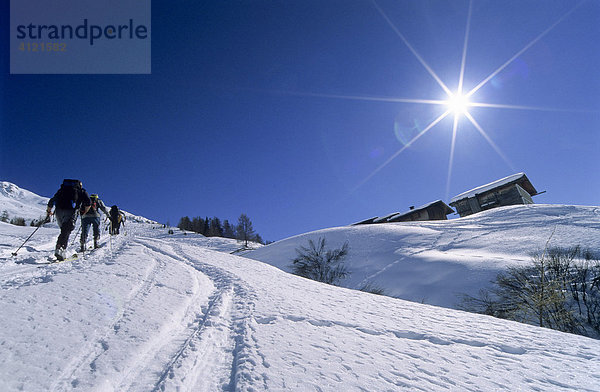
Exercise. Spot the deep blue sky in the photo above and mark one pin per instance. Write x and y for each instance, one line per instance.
(229, 121)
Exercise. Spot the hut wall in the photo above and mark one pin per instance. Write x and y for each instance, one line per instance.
(418, 215)
(474, 205)
(507, 196)
(462, 207)
(438, 213)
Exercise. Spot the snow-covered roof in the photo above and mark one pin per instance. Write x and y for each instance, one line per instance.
(365, 221)
(515, 178)
(385, 218)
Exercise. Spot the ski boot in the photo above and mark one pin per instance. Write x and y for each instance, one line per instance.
(59, 253)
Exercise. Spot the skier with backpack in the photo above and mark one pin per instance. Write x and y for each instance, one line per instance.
(117, 218)
(70, 199)
(92, 217)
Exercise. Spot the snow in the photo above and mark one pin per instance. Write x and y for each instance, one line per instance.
(21, 203)
(484, 188)
(151, 311)
(437, 262)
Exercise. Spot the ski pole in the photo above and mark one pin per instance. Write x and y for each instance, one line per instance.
(31, 235)
(76, 234)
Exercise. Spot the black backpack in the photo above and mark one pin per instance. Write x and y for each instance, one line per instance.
(114, 213)
(68, 195)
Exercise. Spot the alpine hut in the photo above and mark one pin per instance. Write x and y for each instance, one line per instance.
(436, 210)
(511, 190)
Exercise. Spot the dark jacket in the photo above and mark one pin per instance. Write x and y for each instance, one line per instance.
(68, 198)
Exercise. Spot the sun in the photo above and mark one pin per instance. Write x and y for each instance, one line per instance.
(458, 104)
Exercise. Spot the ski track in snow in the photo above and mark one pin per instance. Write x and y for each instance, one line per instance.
(89, 354)
(220, 339)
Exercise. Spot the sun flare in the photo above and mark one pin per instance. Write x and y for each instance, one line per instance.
(458, 104)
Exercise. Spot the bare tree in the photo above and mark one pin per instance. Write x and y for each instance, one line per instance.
(244, 229)
(560, 289)
(317, 263)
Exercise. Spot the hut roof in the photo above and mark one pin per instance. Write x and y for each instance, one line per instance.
(519, 178)
(365, 221)
(385, 218)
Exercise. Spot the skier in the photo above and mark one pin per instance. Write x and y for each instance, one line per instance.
(68, 199)
(92, 217)
(117, 218)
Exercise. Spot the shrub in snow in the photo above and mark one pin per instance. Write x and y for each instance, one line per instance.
(372, 288)
(317, 263)
(560, 290)
(18, 221)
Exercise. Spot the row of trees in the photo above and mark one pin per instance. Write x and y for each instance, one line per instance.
(18, 221)
(214, 227)
(560, 289)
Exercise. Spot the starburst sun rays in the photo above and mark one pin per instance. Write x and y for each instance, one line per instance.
(457, 103)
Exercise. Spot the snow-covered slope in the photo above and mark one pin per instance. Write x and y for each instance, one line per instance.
(435, 262)
(151, 311)
(21, 203)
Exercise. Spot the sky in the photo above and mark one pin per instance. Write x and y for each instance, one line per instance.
(303, 114)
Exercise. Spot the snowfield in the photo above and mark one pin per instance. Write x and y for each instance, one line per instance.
(437, 262)
(151, 311)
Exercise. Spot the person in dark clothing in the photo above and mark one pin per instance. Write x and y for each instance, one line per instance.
(68, 200)
(92, 217)
(117, 218)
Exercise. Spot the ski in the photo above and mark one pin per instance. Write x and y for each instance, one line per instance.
(54, 260)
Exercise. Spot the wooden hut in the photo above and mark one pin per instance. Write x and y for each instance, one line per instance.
(436, 210)
(511, 190)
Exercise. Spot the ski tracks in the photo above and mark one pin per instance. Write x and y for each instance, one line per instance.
(85, 360)
(219, 353)
(127, 351)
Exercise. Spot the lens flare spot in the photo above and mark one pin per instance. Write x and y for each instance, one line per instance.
(409, 122)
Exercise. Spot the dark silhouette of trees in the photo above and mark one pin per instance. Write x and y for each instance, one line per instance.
(228, 229)
(214, 227)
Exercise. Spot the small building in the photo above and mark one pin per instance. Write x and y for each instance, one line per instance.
(511, 190)
(436, 210)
